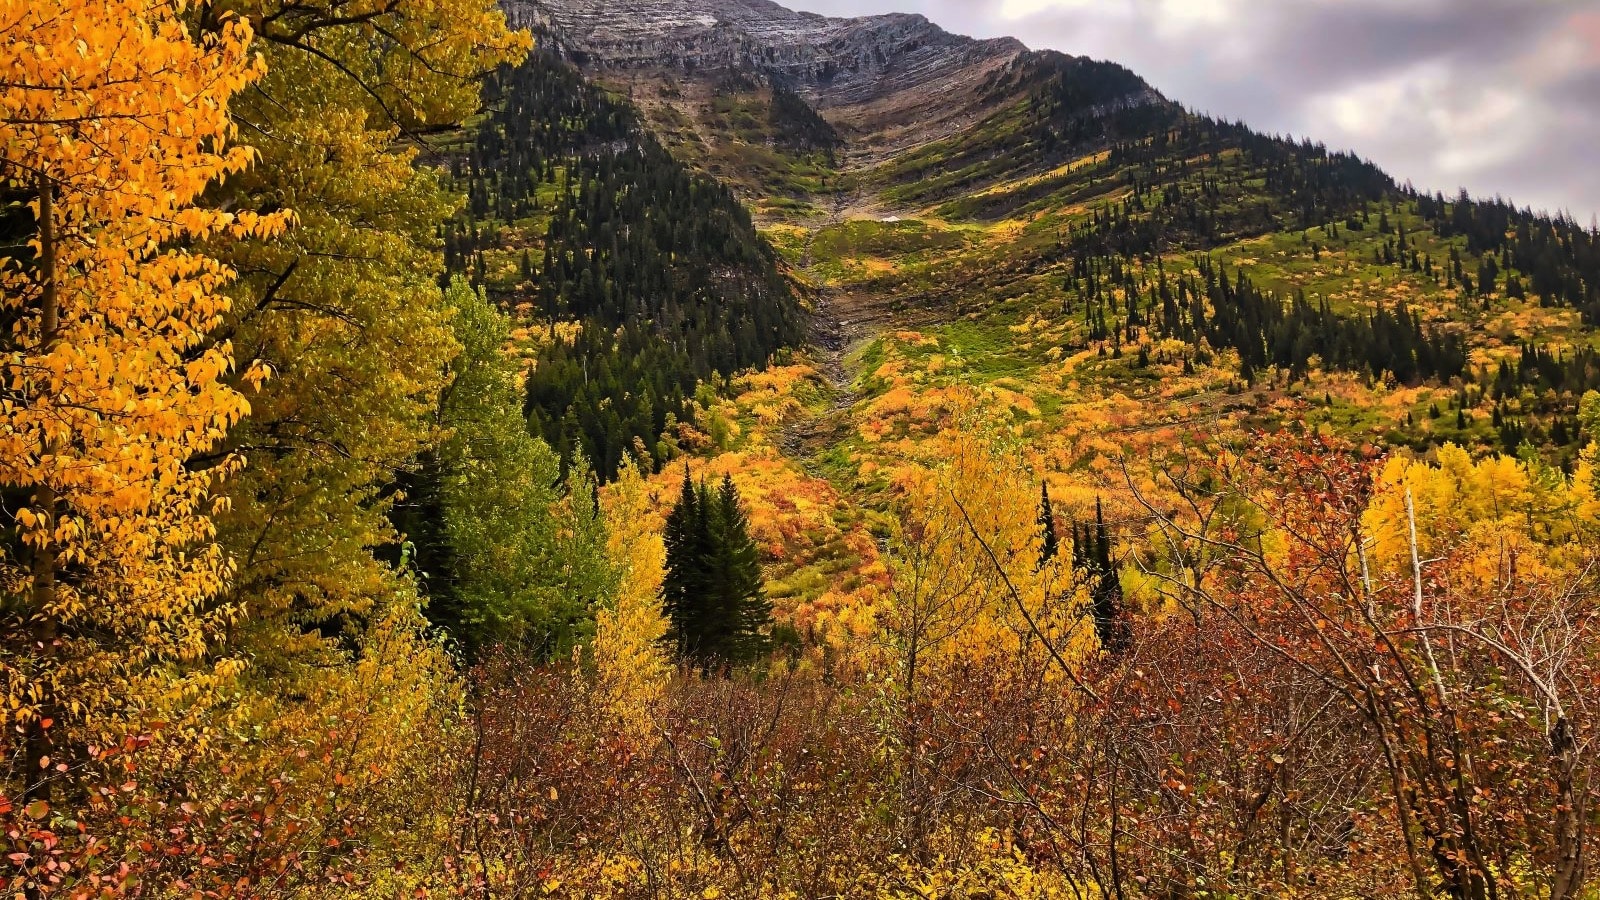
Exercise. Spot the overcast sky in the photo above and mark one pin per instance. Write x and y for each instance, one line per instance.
(1497, 96)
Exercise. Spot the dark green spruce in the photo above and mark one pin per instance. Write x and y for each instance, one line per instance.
(1091, 555)
(1051, 545)
(713, 595)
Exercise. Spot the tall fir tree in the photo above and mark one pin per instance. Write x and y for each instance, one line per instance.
(736, 572)
(1050, 545)
(712, 593)
(1091, 554)
(685, 582)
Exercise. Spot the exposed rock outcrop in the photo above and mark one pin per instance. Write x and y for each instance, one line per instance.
(831, 62)
(885, 84)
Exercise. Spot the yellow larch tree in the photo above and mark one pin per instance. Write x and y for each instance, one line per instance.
(114, 117)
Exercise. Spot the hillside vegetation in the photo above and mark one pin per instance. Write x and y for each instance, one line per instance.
(440, 460)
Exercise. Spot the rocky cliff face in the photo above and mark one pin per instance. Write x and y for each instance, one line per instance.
(831, 62)
(884, 84)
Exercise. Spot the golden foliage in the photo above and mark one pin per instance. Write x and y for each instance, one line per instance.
(630, 664)
(1517, 518)
(121, 411)
(113, 119)
(968, 585)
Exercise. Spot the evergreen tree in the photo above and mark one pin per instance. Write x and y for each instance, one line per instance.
(1047, 524)
(713, 594)
(1091, 554)
(685, 581)
(741, 599)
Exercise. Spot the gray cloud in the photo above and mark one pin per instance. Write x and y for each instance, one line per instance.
(1497, 96)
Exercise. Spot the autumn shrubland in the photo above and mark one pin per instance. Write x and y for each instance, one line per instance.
(1158, 510)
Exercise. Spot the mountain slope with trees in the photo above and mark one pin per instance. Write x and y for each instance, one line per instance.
(577, 211)
(697, 450)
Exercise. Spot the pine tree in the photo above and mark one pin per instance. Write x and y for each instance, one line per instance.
(743, 605)
(1047, 524)
(684, 584)
(1091, 554)
(713, 593)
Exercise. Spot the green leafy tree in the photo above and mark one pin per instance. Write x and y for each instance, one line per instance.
(345, 311)
(503, 555)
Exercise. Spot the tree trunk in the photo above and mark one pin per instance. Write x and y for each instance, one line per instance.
(1569, 873)
(44, 558)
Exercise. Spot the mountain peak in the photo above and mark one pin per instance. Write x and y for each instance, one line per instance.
(833, 61)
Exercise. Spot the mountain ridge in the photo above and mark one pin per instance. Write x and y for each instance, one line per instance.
(837, 61)
(888, 82)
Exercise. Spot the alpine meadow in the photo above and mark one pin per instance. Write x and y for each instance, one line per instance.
(658, 449)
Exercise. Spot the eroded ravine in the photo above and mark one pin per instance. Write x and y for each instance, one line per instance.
(841, 322)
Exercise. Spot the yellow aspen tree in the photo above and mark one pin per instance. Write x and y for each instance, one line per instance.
(1511, 513)
(970, 593)
(968, 580)
(114, 117)
(630, 664)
